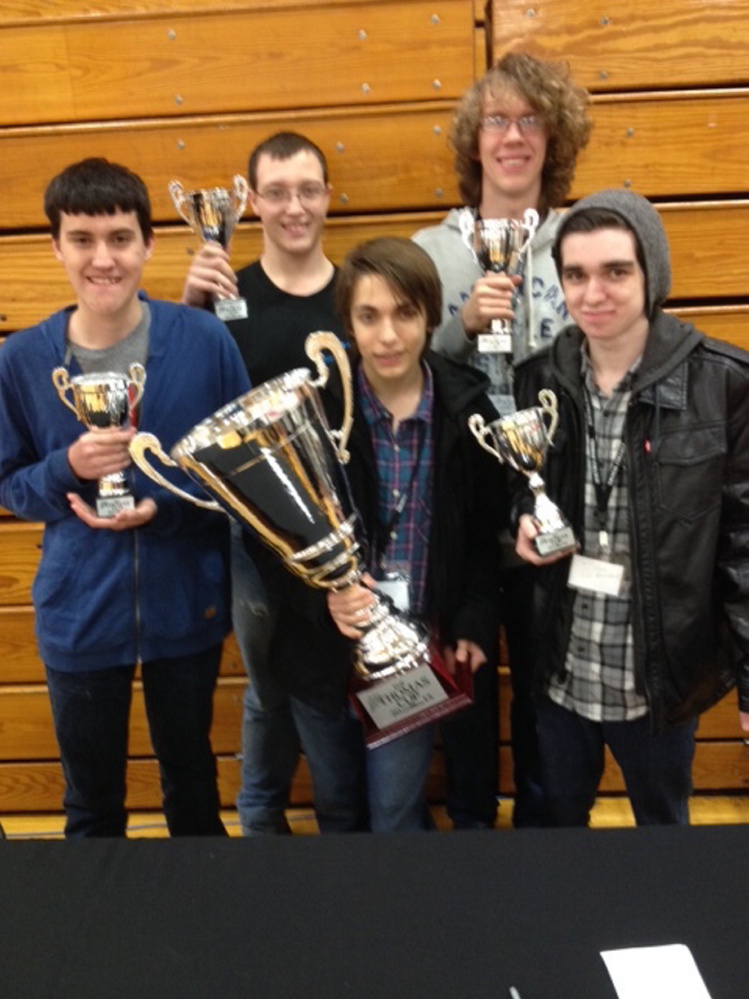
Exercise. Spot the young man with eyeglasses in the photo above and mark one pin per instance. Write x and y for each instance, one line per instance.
(289, 293)
(516, 135)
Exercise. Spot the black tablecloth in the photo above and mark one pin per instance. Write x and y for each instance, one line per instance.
(438, 916)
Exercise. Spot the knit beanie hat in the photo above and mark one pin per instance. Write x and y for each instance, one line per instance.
(645, 223)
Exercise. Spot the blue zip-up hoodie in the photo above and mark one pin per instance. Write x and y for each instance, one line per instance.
(105, 598)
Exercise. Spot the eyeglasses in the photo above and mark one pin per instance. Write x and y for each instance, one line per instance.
(527, 124)
(308, 194)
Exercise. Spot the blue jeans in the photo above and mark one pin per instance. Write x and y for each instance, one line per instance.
(91, 714)
(657, 767)
(270, 743)
(356, 788)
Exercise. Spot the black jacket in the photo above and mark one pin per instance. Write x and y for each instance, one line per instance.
(687, 459)
(308, 656)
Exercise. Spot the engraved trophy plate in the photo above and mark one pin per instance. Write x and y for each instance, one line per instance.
(521, 441)
(271, 462)
(500, 246)
(213, 214)
(102, 401)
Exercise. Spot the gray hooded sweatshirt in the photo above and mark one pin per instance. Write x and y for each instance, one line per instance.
(540, 312)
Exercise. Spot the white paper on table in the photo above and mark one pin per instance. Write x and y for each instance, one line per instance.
(655, 972)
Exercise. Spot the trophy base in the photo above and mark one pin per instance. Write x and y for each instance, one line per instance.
(552, 542)
(405, 701)
(227, 309)
(494, 343)
(110, 506)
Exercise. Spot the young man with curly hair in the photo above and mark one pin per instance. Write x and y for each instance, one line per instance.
(516, 135)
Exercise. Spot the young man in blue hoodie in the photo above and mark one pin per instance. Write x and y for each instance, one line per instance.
(149, 585)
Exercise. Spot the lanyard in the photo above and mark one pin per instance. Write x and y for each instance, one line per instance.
(602, 489)
(389, 527)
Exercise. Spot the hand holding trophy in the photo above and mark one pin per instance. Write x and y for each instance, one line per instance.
(213, 214)
(521, 440)
(272, 463)
(101, 401)
(500, 246)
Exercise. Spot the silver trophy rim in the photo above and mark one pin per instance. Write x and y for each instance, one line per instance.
(253, 404)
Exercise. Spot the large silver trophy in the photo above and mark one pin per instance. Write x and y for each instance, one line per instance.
(102, 401)
(271, 462)
(500, 246)
(213, 214)
(521, 440)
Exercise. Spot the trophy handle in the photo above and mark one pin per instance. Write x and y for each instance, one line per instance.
(241, 193)
(177, 192)
(314, 346)
(478, 427)
(137, 374)
(149, 442)
(548, 402)
(61, 381)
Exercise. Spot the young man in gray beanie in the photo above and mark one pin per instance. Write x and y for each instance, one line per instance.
(647, 624)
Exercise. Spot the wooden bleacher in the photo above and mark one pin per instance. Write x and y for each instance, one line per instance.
(181, 89)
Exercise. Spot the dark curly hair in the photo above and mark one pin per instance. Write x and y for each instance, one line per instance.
(550, 92)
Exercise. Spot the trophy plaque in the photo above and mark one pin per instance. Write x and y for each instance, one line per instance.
(213, 214)
(271, 462)
(521, 441)
(500, 246)
(102, 401)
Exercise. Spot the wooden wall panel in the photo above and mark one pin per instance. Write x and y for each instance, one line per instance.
(667, 144)
(408, 143)
(20, 663)
(729, 323)
(638, 45)
(26, 731)
(37, 11)
(236, 61)
(661, 145)
(19, 557)
(707, 247)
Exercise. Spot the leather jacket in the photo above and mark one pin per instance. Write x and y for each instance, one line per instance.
(687, 464)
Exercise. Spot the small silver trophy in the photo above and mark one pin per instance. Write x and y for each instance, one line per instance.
(500, 246)
(213, 214)
(521, 440)
(102, 401)
(273, 464)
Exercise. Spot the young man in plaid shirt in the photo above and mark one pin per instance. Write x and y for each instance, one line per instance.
(646, 625)
(429, 501)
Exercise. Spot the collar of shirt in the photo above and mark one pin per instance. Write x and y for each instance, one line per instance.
(375, 412)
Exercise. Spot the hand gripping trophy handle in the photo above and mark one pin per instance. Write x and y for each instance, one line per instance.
(521, 441)
(102, 401)
(197, 208)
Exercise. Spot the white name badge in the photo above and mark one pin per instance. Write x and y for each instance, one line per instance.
(401, 696)
(593, 575)
(395, 587)
(494, 343)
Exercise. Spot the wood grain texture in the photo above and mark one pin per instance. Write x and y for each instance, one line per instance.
(385, 158)
(225, 61)
(707, 249)
(667, 144)
(638, 45)
(19, 557)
